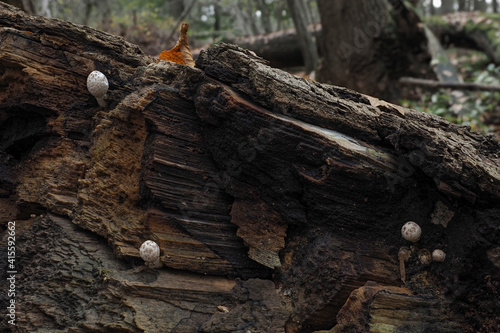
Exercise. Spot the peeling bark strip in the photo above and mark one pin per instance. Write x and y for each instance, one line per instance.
(277, 202)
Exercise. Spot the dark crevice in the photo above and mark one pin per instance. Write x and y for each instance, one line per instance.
(24, 131)
(26, 209)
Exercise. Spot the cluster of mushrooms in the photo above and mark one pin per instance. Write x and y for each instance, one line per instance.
(411, 231)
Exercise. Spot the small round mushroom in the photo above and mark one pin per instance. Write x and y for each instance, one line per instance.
(98, 85)
(438, 255)
(150, 252)
(411, 231)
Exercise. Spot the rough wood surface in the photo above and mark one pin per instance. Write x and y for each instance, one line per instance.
(276, 201)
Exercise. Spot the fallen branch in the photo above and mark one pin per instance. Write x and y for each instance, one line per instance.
(453, 85)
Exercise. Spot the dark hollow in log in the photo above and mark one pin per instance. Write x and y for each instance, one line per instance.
(277, 201)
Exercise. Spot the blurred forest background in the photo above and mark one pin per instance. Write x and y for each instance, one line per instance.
(298, 36)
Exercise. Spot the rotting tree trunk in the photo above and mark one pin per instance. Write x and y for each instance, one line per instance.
(473, 30)
(277, 201)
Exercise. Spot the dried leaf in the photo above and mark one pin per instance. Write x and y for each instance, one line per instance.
(181, 53)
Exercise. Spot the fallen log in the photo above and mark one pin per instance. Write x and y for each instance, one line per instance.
(281, 48)
(276, 201)
(471, 30)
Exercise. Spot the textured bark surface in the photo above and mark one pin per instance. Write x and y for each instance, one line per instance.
(277, 201)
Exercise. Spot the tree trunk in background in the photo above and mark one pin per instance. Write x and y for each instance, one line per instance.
(175, 7)
(250, 19)
(88, 10)
(187, 9)
(217, 16)
(462, 5)
(369, 45)
(241, 18)
(495, 6)
(299, 13)
(277, 201)
(446, 7)
(279, 14)
(265, 16)
(480, 5)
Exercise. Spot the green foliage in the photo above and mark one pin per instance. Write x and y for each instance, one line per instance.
(467, 108)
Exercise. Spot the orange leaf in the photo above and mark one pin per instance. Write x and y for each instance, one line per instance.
(181, 53)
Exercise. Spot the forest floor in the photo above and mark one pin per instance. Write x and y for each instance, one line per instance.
(478, 109)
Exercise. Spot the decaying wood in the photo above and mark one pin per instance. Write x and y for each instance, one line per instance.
(277, 201)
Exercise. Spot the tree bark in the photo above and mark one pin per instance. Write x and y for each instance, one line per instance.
(370, 44)
(277, 201)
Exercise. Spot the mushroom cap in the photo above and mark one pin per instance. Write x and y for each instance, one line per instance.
(411, 231)
(150, 251)
(97, 84)
(438, 255)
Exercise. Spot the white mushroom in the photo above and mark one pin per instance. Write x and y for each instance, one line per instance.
(438, 255)
(98, 85)
(411, 231)
(150, 252)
